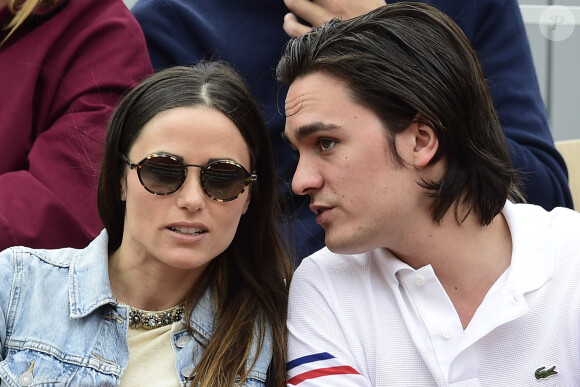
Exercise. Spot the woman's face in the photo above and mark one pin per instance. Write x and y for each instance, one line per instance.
(184, 230)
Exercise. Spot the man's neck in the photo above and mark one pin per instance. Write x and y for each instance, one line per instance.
(467, 259)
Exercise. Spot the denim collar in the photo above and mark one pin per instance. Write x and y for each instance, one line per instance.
(203, 318)
(89, 285)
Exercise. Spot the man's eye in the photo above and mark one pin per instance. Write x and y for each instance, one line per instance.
(326, 144)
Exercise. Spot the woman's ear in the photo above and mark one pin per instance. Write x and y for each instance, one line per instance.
(247, 203)
(124, 188)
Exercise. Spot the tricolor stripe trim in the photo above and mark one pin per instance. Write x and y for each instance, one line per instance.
(315, 366)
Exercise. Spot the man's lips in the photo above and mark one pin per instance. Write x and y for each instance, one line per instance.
(322, 212)
(318, 208)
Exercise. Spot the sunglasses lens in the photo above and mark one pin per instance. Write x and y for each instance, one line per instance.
(162, 174)
(224, 181)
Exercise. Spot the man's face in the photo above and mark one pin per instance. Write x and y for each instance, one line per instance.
(360, 194)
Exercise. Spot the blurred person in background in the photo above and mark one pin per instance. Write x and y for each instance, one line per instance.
(64, 64)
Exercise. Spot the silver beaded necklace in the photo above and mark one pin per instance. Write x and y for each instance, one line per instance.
(144, 319)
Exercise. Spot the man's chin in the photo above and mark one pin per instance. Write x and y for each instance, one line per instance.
(343, 246)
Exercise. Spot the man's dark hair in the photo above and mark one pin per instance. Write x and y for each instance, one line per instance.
(409, 63)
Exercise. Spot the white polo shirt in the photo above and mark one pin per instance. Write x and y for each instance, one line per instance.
(371, 320)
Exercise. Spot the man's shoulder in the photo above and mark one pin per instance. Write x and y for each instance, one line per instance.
(533, 215)
(533, 228)
(330, 264)
(325, 256)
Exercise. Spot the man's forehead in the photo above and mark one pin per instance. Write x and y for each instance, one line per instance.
(312, 90)
(301, 92)
(315, 103)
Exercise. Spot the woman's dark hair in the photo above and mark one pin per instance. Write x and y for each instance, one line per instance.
(409, 62)
(249, 281)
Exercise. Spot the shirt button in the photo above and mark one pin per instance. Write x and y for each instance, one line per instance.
(182, 341)
(419, 280)
(25, 379)
(447, 333)
(186, 371)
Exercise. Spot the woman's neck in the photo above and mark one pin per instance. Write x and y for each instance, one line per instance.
(148, 288)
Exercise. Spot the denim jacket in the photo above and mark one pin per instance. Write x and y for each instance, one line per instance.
(61, 326)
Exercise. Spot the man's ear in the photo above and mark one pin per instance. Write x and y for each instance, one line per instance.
(417, 144)
(426, 144)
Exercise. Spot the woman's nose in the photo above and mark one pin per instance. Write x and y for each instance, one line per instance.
(191, 195)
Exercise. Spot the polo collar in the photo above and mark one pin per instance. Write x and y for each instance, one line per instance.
(533, 252)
